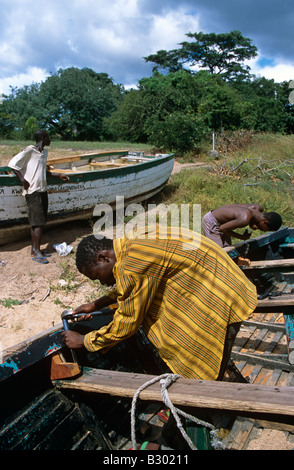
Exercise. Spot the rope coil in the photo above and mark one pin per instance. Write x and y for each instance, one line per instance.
(165, 381)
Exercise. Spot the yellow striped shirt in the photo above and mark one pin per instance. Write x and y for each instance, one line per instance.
(184, 295)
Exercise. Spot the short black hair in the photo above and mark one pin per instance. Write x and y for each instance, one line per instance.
(88, 248)
(274, 220)
(39, 135)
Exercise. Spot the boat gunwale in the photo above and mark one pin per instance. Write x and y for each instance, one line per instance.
(132, 167)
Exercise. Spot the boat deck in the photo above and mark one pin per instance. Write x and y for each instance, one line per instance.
(260, 353)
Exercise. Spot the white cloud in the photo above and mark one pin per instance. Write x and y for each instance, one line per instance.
(170, 29)
(279, 72)
(111, 36)
(32, 75)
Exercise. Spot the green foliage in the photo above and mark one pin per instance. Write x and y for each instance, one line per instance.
(30, 128)
(178, 132)
(128, 120)
(222, 54)
(71, 103)
(8, 303)
(176, 111)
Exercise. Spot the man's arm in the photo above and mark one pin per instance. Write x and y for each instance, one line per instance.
(23, 181)
(229, 228)
(95, 305)
(62, 176)
(75, 340)
(135, 294)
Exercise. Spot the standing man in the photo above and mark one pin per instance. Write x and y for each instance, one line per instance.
(185, 294)
(30, 166)
(220, 224)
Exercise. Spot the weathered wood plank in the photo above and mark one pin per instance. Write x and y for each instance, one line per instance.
(267, 360)
(188, 392)
(270, 326)
(279, 264)
(282, 303)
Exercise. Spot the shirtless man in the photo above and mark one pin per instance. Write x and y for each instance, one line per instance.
(220, 224)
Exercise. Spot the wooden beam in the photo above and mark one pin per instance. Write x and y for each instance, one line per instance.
(280, 265)
(282, 303)
(187, 392)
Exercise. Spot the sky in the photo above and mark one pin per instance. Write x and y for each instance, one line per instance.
(38, 37)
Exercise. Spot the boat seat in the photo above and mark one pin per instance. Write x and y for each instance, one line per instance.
(186, 392)
(281, 265)
(283, 303)
(108, 163)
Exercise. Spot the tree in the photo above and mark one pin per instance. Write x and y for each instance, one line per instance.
(270, 110)
(163, 111)
(222, 54)
(18, 107)
(72, 103)
(127, 122)
(76, 101)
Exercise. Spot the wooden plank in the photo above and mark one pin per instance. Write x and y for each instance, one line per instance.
(270, 326)
(108, 163)
(267, 360)
(188, 392)
(268, 265)
(74, 158)
(31, 425)
(280, 303)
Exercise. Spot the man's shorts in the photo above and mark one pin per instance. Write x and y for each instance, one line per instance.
(37, 208)
(211, 230)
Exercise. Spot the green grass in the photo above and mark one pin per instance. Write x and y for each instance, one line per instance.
(261, 173)
(8, 303)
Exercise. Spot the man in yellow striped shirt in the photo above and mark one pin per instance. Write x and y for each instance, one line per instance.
(185, 294)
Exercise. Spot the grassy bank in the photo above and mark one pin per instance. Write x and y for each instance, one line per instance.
(261, 172)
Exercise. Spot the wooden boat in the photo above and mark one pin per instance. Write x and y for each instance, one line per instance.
(94, 179)
(48, 402)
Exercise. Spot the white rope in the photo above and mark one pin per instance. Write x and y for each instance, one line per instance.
(165, 381)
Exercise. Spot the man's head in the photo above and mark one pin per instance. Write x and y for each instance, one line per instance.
(270, 221)
(42, 136)
(95, 259)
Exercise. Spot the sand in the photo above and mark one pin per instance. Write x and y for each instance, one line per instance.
(43, 291)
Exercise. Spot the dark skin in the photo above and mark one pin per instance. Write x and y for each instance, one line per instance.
(234, 216)
(101, 269)
(36, 232)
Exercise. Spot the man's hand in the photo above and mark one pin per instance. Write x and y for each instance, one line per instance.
(63, 177)
(72, 339)
(26, 184)
(86, 309)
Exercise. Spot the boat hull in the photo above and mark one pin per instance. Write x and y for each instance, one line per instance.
(77, 198)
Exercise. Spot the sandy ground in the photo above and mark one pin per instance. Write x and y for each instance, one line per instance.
(43, 291)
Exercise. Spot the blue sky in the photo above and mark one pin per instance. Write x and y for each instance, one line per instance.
(112, 36)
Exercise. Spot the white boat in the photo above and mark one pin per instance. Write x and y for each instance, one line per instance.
(97, 178)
